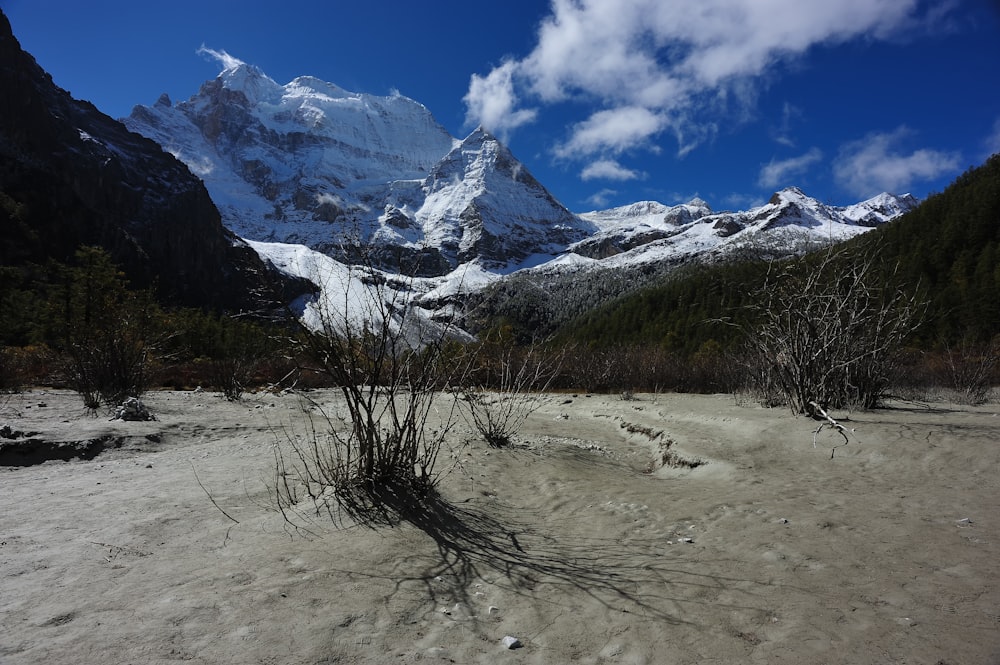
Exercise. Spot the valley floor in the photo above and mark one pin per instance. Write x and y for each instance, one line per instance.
(577, 542)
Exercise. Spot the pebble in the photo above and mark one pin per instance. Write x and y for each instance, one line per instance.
(511, 642)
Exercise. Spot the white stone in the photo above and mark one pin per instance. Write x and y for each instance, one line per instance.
(511, 642)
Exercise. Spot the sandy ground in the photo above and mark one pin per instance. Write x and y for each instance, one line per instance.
(771, 552)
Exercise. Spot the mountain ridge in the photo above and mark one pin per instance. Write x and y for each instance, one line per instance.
(363, 178)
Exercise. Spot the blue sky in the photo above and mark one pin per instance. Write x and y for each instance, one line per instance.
(607, 102)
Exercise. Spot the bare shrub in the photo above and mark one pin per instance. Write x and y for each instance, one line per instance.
(829, 334)
(504, 387)
(107, 366)
(10, 379)
(759, 382)
(388, 363)
(240, 352)
(971, 369)
(593, 369)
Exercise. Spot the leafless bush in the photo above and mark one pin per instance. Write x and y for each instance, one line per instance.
(108, 367)
(759, 382)
(830, 334)
(388, 363)
(507, 380)
(9, 382)
(971, 369)
(232, 375)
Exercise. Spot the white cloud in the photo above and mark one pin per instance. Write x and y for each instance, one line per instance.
(775, 173)
(874, 164)
(602, 198)
(612, 130)
(608, 169)
(491, 101)
(690, 66)
(227, 61)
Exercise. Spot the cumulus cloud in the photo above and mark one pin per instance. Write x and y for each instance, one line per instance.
(876, 164)
(608, 169)
(492, 102)
(776, 173)
(613, 130)
(669, 65)
(227, 61)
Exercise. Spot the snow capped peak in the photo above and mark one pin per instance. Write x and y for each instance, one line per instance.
(651, 213)
(880, 208)
(789, 195)
(649, 232)
(252, 82)
(478, 137)
(637, 209)
(345, 173)
(240, 76)
(310, 85)
(885, 200)
(309, 162)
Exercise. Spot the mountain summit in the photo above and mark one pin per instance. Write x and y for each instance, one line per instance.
(311, 163)
(368, 179)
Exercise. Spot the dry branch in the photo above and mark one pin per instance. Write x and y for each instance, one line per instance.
(833, 424)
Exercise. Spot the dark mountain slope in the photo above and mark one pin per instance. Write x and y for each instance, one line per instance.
(71, 176)
(950, 247)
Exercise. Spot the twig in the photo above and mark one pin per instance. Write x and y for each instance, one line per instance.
(210, 496)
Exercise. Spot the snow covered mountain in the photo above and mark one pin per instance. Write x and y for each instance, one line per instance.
(789, 222)
(376, 180)
(313, 164)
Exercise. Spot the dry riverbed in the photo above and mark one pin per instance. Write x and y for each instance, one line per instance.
(663, 529)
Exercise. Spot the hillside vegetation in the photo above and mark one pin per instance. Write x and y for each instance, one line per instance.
(673, 328)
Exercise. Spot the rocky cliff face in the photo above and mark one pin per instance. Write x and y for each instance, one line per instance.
(70, 175)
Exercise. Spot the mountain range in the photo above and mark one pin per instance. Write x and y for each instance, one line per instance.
(313, 164)
(362, 177)
(251, 187)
